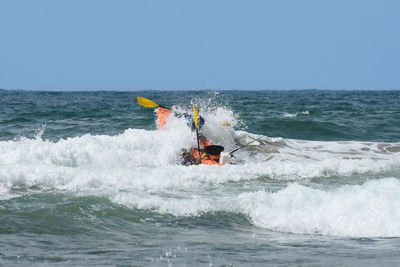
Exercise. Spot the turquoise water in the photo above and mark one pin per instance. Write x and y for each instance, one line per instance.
(87, 179)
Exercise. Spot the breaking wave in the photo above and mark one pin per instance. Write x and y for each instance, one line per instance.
(140, 169)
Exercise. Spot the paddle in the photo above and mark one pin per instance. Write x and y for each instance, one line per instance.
(148, 103)
(233, 151)
(151, 104)
(214, 149)
(196, 117)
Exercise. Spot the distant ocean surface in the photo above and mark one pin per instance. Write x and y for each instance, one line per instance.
(86, 179)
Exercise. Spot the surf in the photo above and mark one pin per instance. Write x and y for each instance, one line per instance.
(338, 188)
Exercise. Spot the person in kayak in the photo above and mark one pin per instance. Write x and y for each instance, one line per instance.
(209, 154)
(192, 157)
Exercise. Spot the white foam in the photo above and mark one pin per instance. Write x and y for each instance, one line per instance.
(293, 115)
(368, 210)
(150, 160)
(140, 168)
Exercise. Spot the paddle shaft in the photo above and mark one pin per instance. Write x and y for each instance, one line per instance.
(196, 117)
(233, 151)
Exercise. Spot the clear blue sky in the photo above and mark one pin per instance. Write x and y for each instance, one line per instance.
(208, 44)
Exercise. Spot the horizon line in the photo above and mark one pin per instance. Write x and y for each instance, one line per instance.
(188, 90)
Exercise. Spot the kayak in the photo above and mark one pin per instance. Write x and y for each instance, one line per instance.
(162, 116)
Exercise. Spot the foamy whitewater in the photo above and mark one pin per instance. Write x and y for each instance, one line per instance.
(296, 188)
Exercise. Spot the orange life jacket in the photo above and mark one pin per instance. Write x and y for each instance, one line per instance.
(205, 158)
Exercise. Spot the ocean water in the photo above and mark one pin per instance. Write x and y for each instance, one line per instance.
(86, 179)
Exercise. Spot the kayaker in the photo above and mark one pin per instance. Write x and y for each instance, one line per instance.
(208, 154)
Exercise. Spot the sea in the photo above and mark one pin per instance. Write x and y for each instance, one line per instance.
(87, 179)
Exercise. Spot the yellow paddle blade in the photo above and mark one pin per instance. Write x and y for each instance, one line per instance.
(196, 116)
(146, 102)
